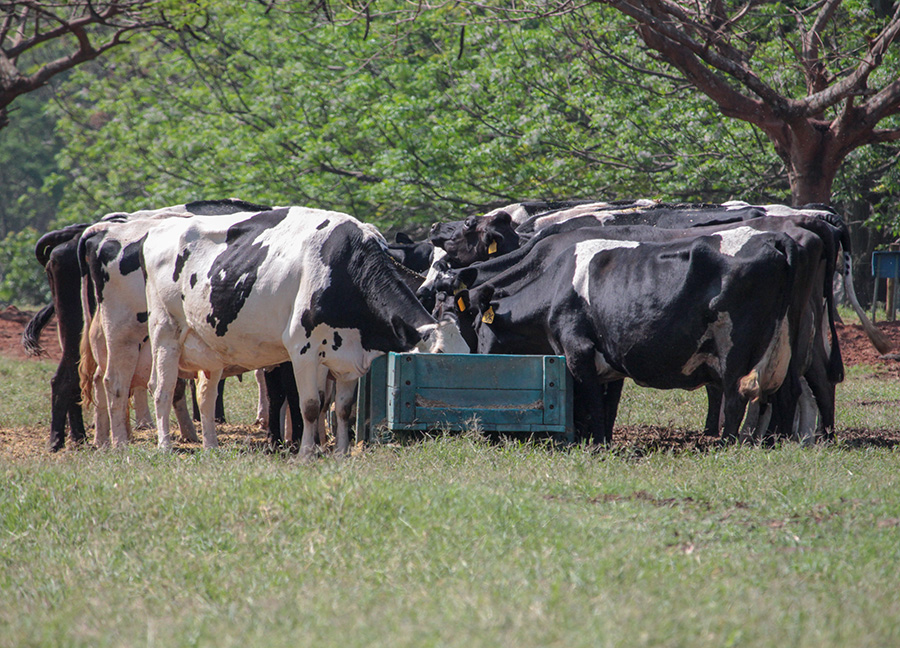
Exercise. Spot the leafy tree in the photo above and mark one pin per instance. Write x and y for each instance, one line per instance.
(819, 80)
(27, 150)
(397, 123)
(22, 280)
(40, 39)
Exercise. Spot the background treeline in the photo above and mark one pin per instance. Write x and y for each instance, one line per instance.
(401, 119)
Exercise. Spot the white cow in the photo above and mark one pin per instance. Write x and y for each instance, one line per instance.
(310, 286)
(115, 352)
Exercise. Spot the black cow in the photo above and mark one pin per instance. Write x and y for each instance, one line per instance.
(689, 216)
(682, 314)
(475, 239)
(56, 252)
(415, 255)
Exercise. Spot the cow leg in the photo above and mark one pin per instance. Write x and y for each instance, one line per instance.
(207, 398)
(162, 384)
(195, 407)
(275, 388)
(284, 406)
(756, 422)
(182, 415)
(611, 397)
(823, 390)
(325, 420)
(293, 416)
(143, 419)
(805, 418)
(220, 402)
(311, 393)
(65, 396)
(76, 423)
(592, 420)
(101, 413)
(735, 406)
(712, 426)
(262, 403)
(116, 385)
(344, 395)
(590, 411)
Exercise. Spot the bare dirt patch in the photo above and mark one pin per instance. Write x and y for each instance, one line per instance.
(855, 348)
(12, 324)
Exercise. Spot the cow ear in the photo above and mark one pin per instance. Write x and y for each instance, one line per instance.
(402, 237)
(481, 297)
(467, 276)
(501, 218)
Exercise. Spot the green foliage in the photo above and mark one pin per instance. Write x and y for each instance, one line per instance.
(397, 125)
(22, 280)
(27, 150)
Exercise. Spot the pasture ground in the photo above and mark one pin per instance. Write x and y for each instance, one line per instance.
(666, 540)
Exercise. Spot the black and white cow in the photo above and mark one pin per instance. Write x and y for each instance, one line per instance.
(115, 355)
(680, 314)
(332, 301)
(661, 215)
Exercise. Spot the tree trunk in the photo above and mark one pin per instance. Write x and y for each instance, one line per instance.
(812, 157)
(811, 178)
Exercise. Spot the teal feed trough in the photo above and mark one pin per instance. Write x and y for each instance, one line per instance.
(407, 392)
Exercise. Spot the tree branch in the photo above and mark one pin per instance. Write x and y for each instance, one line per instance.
(694, 59)
(855, 83)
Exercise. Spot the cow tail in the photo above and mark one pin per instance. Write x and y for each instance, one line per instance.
(87, 364)
(31, 338)
(834, 371)
(878, 339)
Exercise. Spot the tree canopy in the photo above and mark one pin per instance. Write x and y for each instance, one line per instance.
(395, 122)
(403, 114)
(820, 80)
(40, 39)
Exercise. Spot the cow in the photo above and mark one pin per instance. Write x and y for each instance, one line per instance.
(332, 298)
(476, 238)
(661, 215)
(284, 404)
(829, 361)
(415, 255)
(677, 314)
(115, 355)
(55, 251)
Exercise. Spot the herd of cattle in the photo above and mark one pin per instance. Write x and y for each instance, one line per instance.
(734, 297)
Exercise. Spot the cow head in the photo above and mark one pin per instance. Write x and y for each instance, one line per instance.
(477, 238)
(414, 255)
(442, 337)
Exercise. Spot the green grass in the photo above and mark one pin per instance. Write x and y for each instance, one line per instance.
(25, 392)
(455, 542)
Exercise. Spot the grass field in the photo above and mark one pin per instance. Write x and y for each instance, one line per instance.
(453, 541)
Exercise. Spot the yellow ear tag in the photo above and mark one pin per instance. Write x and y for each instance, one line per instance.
(492, 248)
(461, 304)
(488, 317)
